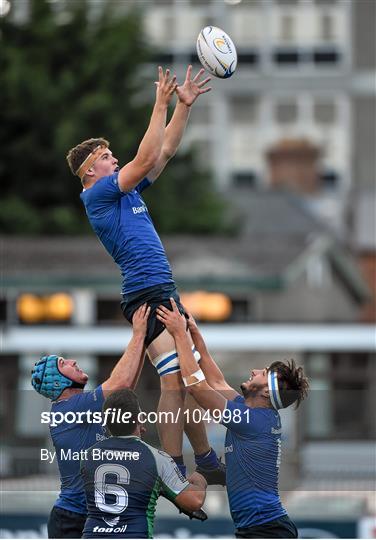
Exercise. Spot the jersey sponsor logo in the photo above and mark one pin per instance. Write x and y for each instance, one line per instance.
(139, 209)
(100, 437)
(229, 449)
(121, 529)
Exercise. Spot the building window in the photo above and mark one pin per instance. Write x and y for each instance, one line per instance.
(341, 396)
(324, 112)
(200, 114)
(199, 3)
(287, 29)
(286, 57)
(327, 27)
(246, 179)
(326, 56)
(286, 113)
(287, 2)
(243, 110)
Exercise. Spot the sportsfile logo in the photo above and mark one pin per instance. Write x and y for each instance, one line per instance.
(139, 209)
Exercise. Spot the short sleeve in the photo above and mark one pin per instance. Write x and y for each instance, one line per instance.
(88, 401)
(241, 419)
(102, 194)
(145, 183)
(173, 482)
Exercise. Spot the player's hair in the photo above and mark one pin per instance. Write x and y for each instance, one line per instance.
(293, 384)
(124, 401)
(77, 155)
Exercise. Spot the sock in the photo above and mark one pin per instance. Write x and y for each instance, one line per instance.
(179, 460)
(207, 460)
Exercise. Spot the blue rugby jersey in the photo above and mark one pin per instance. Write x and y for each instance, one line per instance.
(73, 437)
(253, 452)
(123, 477)
(124, 226)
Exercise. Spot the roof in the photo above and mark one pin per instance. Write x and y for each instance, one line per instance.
(278, 235)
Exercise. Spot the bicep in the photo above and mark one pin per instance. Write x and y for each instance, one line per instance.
(132, 174)
(162, 161)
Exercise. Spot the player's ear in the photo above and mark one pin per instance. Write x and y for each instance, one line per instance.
(90, 172)
(265, 392)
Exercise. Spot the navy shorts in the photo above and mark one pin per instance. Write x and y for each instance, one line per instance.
(279, 528)
(154, 297)
(65, 524)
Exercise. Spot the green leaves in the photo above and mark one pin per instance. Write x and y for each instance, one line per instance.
(65, 76)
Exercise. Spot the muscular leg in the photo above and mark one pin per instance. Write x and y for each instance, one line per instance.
(195, 431)
(172, 398)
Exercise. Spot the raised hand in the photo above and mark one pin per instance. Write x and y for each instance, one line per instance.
(140, 319)
(192, 325)
(189, 91)
(165, 87)
(173, 320)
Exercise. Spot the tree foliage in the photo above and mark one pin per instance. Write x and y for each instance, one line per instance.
(66, 76)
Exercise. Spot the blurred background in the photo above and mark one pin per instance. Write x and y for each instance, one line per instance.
(267, 214)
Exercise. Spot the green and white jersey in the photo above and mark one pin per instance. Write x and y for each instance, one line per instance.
(123, 478)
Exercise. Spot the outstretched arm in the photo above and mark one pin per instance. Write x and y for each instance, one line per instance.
(187, 93)
(151, 145)
(127, 370)
(213, 374)
(204, 394)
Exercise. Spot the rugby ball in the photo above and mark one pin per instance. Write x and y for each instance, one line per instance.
(216, 52)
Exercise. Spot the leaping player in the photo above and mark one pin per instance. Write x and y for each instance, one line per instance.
(120, 218)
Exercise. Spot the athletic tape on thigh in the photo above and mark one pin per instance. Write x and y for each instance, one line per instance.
(168, 362)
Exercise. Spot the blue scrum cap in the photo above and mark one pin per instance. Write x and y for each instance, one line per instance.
(46, 378)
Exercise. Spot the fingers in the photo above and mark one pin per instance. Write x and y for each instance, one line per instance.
(204, 90)
(164, 312)
(198, 74)
(174, 306)
(173, 85)
(205, 81)
(142, 312)
(188, 74)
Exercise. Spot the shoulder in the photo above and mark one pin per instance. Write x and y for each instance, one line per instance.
(107, 184)
(77, 400)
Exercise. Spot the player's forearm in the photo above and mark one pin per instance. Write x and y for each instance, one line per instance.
(213, 374)
(175, 129)
(151, 144)
(188, 364)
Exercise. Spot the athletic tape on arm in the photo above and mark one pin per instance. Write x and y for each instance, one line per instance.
(196, 377)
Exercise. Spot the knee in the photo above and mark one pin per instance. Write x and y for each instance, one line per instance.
(172, 381)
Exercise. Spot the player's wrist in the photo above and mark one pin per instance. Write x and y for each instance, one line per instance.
(139, 333)
(160, 106)
(182, 104)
